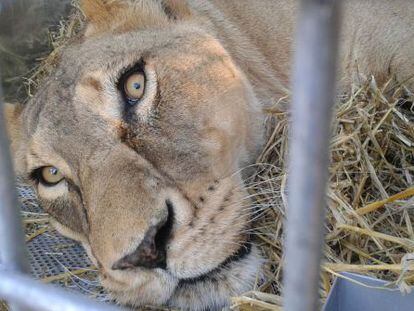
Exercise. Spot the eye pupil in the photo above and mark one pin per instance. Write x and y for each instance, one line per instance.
(133, 87)
(50, 175)
(53, 170)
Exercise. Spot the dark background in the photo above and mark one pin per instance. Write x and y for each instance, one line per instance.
(25, 38)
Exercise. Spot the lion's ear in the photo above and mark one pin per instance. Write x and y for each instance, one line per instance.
(99, 11)
(105, 16)
(12, 117)
(100, 14)
(176, 9)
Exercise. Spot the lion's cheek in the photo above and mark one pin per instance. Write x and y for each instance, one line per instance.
(214, 232)
(222, 149)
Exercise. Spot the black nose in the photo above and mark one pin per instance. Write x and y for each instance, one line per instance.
(151, 253)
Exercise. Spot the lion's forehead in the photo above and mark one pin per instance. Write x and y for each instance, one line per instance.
(56, 95)
(98, 52)
(53, 123)
(69, 125)
(54, 101)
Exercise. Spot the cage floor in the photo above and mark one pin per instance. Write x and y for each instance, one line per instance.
(54, 258)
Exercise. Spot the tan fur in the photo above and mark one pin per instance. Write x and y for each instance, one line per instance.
(13, 123)
(98, 13)
(210, 67)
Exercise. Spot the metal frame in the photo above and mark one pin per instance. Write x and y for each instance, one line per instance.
(314, 77)
(12, 257)
(313, 98)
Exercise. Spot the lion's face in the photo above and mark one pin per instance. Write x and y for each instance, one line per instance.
(135, 145)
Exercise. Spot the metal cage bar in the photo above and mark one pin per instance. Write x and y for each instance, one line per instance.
(313, 98)
(11, 233)
(12, 247)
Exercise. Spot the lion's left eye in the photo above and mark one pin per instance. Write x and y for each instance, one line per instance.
(51, 175)
(48, 175)
(134, 86)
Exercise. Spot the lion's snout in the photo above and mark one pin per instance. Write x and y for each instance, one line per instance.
(151, 253)
(130, 216)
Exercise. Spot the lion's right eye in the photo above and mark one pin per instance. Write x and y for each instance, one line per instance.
(134, 86)
(131, 84)
(48, 175)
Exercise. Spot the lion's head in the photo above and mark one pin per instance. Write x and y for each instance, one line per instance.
(135, 144)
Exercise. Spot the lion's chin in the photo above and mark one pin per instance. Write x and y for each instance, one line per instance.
(211, 291)
(144, 288)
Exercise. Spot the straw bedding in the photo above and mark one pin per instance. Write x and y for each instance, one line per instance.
(369, 206)
(369, 221)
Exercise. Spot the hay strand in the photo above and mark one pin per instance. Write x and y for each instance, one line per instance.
(376, 205)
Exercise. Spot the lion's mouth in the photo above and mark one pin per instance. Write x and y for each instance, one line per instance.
(241, 254)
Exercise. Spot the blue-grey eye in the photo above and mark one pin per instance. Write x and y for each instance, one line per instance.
(134, 86)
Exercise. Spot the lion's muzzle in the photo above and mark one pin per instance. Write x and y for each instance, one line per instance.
(129, 212)
(151, 253)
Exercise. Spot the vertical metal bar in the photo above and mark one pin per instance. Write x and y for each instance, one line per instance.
(12, 247)
(12, 244)
(313, 89)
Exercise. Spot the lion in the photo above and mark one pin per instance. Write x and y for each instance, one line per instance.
(137, 142)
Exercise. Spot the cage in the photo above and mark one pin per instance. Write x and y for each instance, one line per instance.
(55, 259)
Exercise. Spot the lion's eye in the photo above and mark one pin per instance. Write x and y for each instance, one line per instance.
(50, 175)
(134, 86)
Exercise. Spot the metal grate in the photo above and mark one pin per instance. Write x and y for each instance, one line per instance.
(54, 258)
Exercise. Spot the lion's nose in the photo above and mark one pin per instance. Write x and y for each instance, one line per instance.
(151, 253)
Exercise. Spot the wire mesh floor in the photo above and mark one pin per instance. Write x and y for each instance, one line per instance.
(54, 258)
